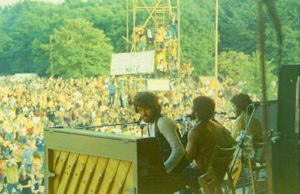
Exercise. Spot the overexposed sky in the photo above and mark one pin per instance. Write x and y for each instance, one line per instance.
(9, 2)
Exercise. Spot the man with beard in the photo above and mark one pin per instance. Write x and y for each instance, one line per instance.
(242, 112)
(163, 129)
(205, 136)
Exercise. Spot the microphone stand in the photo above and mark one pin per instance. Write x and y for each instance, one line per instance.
(112, 124)
(243, 137)
(142, 129)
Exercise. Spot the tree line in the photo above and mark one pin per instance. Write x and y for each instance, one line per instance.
(77, 39)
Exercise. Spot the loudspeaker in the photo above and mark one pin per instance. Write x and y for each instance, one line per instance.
(288, 80)
(272, 114)
(285, 148)
(285, 166)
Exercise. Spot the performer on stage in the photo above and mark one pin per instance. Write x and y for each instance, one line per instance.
(163, 129)
(240, 103)
(251, 146)
(206, 135)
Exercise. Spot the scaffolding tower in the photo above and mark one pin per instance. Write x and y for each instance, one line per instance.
(154, 14)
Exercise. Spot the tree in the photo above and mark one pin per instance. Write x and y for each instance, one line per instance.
(110, 18)
(5, 41)
(237, 26)
(238, 68)
(288, 13)
(79, 50)
(197, 35)
(28, 25)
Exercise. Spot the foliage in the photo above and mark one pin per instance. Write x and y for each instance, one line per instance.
(4, 41)
(238, 68)
(112, 20)
(237, 21)
(288, 12)
(237, 26)
(197, 40)
(79, 50)
(27, 25)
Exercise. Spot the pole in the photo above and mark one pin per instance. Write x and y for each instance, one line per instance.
(127, 27)
(134, 4)
(216, 42)
(178, 29)
(51, 63)
(261, 48)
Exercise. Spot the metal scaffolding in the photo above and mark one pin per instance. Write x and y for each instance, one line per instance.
(154, 14)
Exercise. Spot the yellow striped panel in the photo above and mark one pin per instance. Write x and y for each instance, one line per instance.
(78, 171)
(87, 175)
(120, 177)
(98, 175)
(79, 174)
(56, 154)
(59, 169)
(109, 176)
(129, 181)
(67, 174)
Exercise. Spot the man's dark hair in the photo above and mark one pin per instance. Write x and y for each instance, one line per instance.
(147, 100)
(241, 101)
(204, 107)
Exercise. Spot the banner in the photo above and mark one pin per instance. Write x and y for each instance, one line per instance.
(158, 85)
(132, 63)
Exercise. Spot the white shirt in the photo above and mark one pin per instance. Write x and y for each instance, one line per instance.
(167, 128)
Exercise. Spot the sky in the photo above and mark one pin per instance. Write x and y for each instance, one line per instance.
(9, 2)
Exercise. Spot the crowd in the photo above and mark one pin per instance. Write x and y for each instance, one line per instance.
(28, 106)
(163, 39)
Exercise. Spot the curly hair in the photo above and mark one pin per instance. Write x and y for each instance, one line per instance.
(147, 100)
(241, 101)
(204, 107)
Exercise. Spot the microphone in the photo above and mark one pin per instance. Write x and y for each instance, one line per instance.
(139, 120)
(220, 113)
(231, 118)
(190, 116)
(187, 117)
(255, 104)
(179, 120)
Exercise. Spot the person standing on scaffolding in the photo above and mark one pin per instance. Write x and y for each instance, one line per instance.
(150, 38)
(173, 24)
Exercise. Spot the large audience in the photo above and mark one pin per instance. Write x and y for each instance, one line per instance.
(27, 106)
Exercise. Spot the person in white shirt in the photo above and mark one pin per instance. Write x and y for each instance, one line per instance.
(163, 129)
